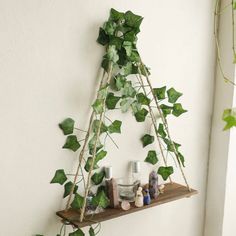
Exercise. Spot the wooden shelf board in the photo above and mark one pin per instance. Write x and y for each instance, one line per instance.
(172, 192)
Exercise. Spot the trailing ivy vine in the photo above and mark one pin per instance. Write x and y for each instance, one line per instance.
(125, 85)
(229, 114)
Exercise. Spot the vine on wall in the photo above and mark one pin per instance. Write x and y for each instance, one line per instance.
(125, 85)
(229, 115)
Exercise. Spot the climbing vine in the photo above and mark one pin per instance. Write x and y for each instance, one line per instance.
(229, 115)
(125, 85)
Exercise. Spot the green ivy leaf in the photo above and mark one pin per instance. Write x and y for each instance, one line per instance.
(98, 106)
(103, 128)
(147, 139)
(125, 104)
(124, 28)
(59, 177)
(165, 172)
(67, 126)
(78, 232)
(115, 127)
(141, 115)
(103, 188)
(134, 57)
(109, 27)
(133, 20)
(78, 201)
(92, 143)
(91, 231)
(166, 109)
(136, 107)
(123, 60)
(67, 188)
(116, 15)
(181, 158)
(152, 157)
(100, 156)
(143, 99)
(101, 200)
(105, 64)
(161, 130)
(72, 143)
(178, 109)
(88, 164)
(103, 38)
(128, 47)
(130, 36)
(120, 82)
(112, 54)
(128, 90)
(143, 69)
(229, 116)
(170, 146)
(116, 41)
(127, 68)
(234, 5)
(111, 101)
(173, 95)
(98, 177)
(102, 93)
(160, 93)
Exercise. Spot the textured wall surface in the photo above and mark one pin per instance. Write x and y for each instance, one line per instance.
(49, 61)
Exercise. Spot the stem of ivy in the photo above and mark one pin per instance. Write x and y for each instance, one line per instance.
(106, 117)
(63, 227)
(223, 9)
(153, 120)
(99, 228)
(72, 175)
(81, 155)
(104, 141)
(82, 173)
(164, 122)
(112, 140)
(216, 35)
(169, 153)
(81, 130)
(101, 118)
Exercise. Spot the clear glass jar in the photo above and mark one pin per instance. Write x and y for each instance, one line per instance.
(127, 188)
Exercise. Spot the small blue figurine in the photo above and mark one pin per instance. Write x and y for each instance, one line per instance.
(146, 196)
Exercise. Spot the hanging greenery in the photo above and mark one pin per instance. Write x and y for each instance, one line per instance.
(229, 115)
(125, 85)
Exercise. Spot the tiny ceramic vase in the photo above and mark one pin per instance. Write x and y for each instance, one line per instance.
(139, 198)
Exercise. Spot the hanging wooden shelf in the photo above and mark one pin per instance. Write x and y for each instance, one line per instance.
(172, 192)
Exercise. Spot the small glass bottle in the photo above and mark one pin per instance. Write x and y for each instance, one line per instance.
(136, 174)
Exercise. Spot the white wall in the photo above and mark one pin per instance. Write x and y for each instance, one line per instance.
(221, 191)
(49, 61)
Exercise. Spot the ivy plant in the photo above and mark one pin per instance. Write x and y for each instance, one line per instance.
(125, 86)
